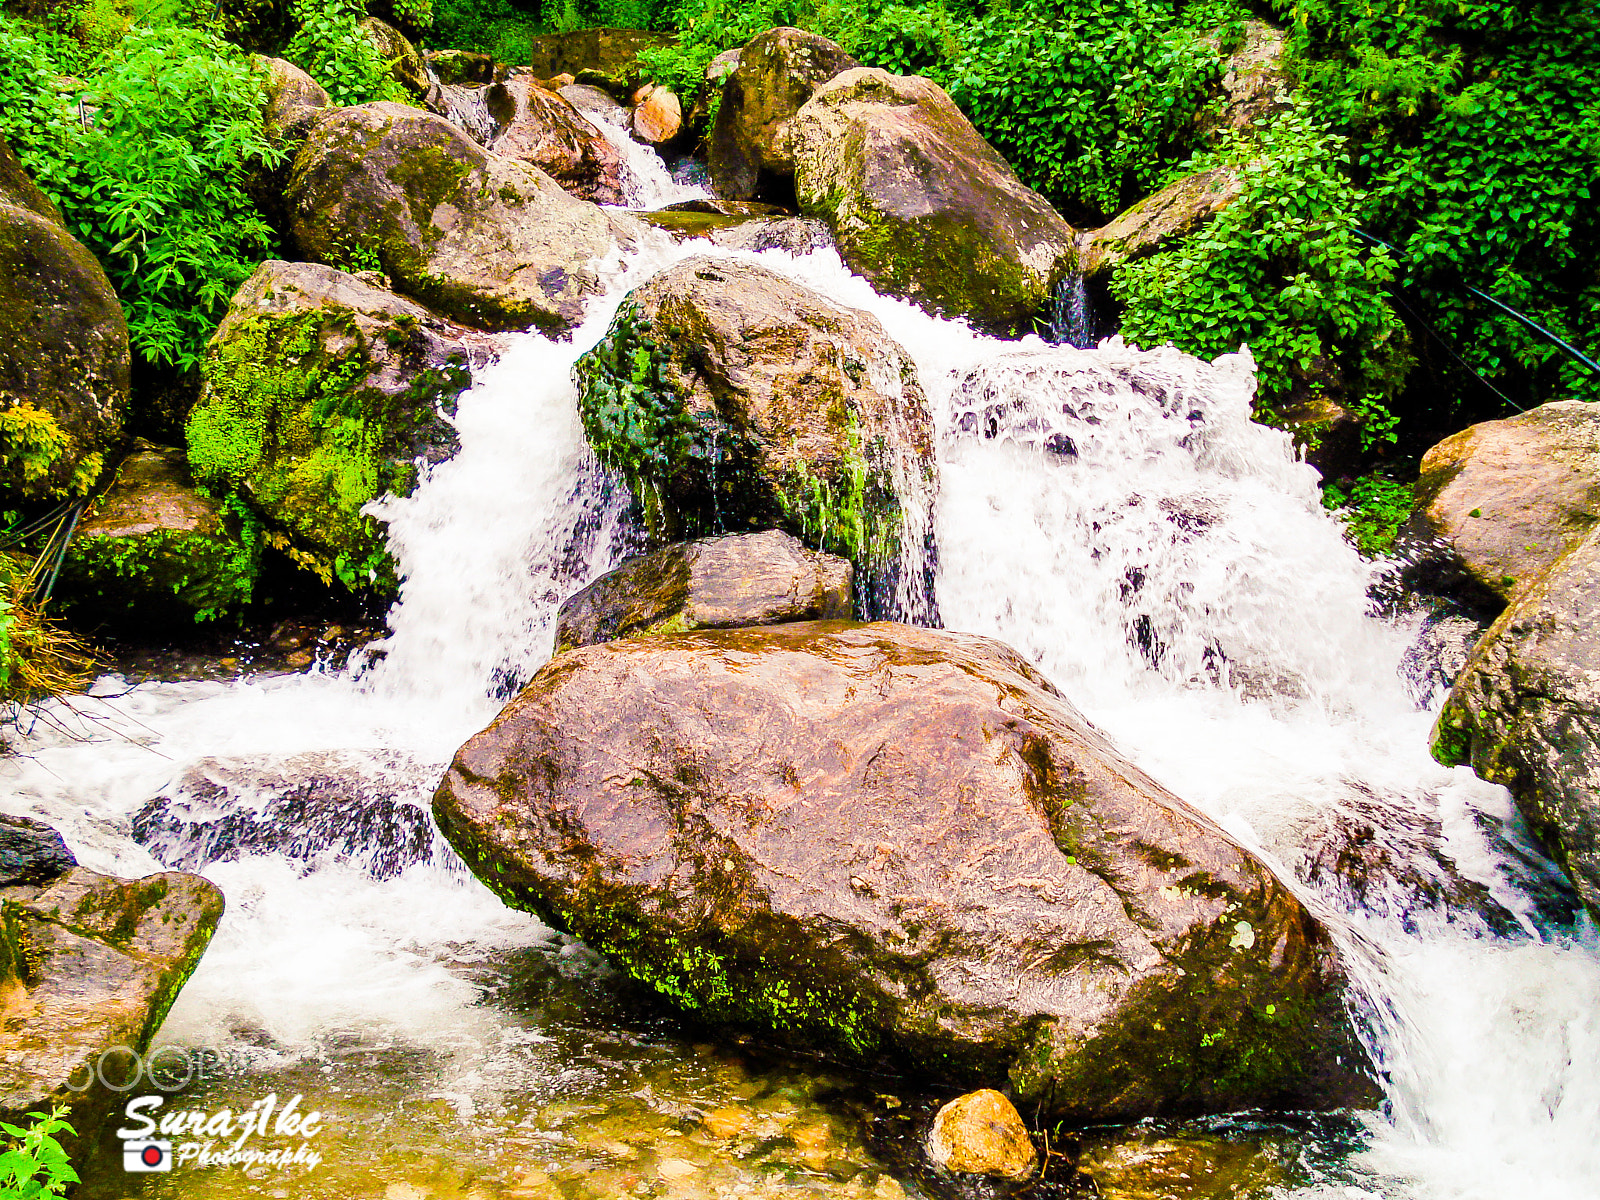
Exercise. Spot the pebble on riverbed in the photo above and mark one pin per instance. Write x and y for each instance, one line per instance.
(981, 1133)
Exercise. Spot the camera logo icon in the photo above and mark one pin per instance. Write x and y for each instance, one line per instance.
(146, 1155)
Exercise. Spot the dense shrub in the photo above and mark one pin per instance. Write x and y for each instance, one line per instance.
(333, 49)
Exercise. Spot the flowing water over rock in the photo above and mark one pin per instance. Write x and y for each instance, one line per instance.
(1112, 514)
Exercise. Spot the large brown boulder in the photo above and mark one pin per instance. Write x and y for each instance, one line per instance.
(733, 399)
(899, 843)
(1157, 221)
(713, 583)
(321, 394)
(1508, 498)
(153, 551)
(921, 205)
(90, 963)
(1525, 711)
(485, 239)
(64, 358)
(771, 79)
(540, 127)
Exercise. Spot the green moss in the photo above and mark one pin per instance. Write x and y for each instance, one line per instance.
(32, 445)
(289, 423)
(1451, 743)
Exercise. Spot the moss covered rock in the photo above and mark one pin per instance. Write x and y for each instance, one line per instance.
(888, 842)
(733, 399)
(484, 239)
(88, 963)
(714, 583)
(540, 127)
(64, 358)
(1525, 712)
(294, 101)
(321, 394)
(1157, 221)
(154, 551)
(406, 66)
(921, 205)
(772, 77)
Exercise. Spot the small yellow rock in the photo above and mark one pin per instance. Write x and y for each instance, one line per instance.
(981, 1133)
(675, 1168)
(726, 1122)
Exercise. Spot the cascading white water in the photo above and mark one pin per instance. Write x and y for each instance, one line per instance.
(1113, 514)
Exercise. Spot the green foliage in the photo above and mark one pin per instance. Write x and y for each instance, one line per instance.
(34, 1164)
(1476, 133)
(1280, 269)
(333, 49)
(1373, 508)
(154, 184)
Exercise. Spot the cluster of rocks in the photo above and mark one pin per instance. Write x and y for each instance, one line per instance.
(1508, 519)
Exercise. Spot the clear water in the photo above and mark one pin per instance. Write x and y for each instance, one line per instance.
(1111, 513)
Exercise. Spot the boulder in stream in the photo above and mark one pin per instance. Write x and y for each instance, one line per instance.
(713, 583)
(1505, 499)
(1525, 712)
(485, 239)
(903, 845)
(321, 394)
(540, 127)
(921, 205)
(734, 398)
(89, 964)
(1157, 221)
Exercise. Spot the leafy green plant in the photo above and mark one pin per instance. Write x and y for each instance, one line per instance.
(1280, 269)
(34, 1164)
(1373, 508)
(333, 49)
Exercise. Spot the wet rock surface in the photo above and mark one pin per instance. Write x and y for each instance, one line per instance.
(883, 840)
(64, 358)
(921, 205)
(323, 392)
(152, 551)
(1504, 499)
(766, 405)
(982, 1133)
(542, 128)
(764, 86)
(31, 852)
(1525, 712)
(485, 239)
(90, 962)
(741, 579)
(370, 809)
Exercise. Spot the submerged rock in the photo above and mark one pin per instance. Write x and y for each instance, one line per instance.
(1508, 498)
(714, 583)
(153, 551)
(321, 394)
(1525, 712)
(482, 238)
(1152, 1163)
(898, 843)
(982, 1133)
(540, 127)
(90, 963)
(64, 358)
(921, 205)
(764, 86)
(734, 398)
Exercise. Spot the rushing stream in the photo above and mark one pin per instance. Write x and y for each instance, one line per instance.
(1111, 513)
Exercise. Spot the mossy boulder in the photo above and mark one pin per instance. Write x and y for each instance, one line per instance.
(406, 66)
(540, 127)
(294, 101)
(64, 359)
(733, 398)
(1525, 712)
(903, 845)
(772, 78)
(321, 394)
(1506, 499)
(89, 963)
(154, 551)
(484, 239)
(921, 205)
(461, 66)
(714, 583)
(1157, 221)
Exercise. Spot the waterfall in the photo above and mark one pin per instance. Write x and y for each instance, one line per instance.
(1072, 318)
(1112, 513)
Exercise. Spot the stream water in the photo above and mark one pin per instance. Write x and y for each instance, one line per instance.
(1114, 515)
